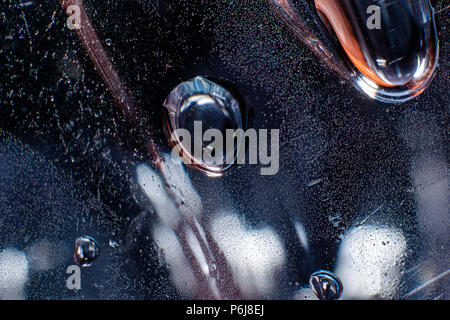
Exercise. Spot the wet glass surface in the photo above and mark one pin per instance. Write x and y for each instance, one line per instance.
(361, 190)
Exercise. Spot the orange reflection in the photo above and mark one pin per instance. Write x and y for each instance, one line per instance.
(333, 14)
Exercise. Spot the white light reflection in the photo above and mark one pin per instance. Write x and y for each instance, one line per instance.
(226, 260)
(422, 133)
(44, 255)
(302, 235)
(431, 190)
(175, 258)
(369, 262)
(181, 186)
(14, 271)
(154, 189)
(255, 256)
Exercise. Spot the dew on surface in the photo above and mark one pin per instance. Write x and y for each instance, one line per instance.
(69, 165)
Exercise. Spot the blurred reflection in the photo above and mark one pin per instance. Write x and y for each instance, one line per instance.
(224, 261)
(220, 257)
(302, 235)
(14, 271)
(431, 192)
(44, 255)
(255, 256)
(429, 174)
(369, 262)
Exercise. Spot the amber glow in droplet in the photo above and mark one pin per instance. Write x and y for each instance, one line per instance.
(400, 52)
(332, 12)
(392, 60)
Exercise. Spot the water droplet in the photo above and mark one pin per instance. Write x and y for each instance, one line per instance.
(335, 219)
(391, 47)
(212, 270)
(86, 251)
(113, 244)
(388, 49)
(108, 42)
(325, 285)
(205, 104)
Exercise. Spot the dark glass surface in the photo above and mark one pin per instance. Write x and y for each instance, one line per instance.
(68, 160)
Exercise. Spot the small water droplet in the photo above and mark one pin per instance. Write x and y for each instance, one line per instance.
(108, 42)
(325, 285)
(86, 251)
(212, 270)
(113, 244)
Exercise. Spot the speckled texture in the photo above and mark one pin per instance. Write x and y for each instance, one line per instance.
(343, 157)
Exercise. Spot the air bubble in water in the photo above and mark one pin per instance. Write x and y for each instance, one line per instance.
(325, 285)
(86, 251)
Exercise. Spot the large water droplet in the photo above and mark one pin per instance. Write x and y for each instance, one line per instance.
(201, 102)
(391, 46)
(86, 251)
(325, 285)
(388, 49)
